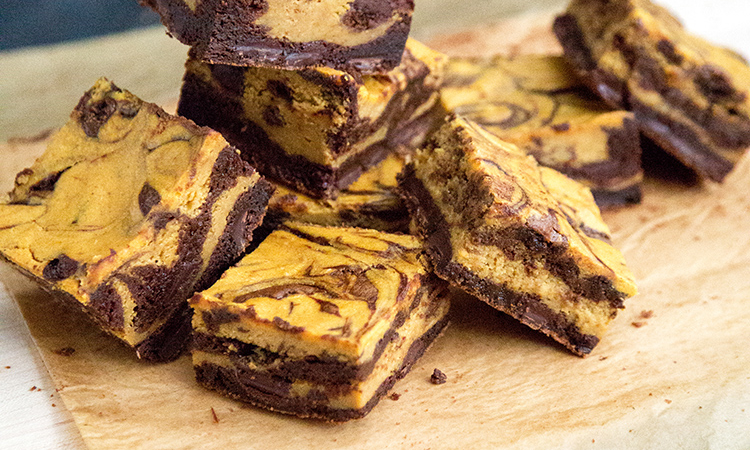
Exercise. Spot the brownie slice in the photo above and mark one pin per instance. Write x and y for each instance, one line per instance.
(688, 96)
(318, 322)
(538, 103)
(370, 202)
(362, 35)
(525, 239)
(128, 212)
(315, 130)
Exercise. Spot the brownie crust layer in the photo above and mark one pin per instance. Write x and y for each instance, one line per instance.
(245, 384)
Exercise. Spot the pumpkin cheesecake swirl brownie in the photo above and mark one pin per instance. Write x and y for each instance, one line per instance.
(316, 130)
(318, 321)
(128, 212)
(364, 35)
(688, 96)
(538, 103)
(525, 239)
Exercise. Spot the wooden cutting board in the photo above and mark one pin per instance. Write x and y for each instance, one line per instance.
(672, 372)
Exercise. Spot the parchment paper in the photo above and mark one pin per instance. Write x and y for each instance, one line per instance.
(672, 372)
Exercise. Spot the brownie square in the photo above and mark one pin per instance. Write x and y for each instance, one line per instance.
(523, 238)
(315, 130)
(363, 35)
(318, 321)
(538, 103)
(128, 212)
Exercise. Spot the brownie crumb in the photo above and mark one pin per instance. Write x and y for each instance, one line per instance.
(394, 396)
(65, 351)
(647, 314)
(33, 388)
(438, 377)
(53, 405)
(638, 324)
(213, 413)
(7, 367)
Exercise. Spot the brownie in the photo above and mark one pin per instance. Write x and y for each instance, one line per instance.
(370, 202)
(128, 212)
(688, 96)
(538, 103)
(315, 130)
(318, 321)
(362, 35)
(523, 238)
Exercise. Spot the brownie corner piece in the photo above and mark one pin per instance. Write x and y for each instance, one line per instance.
(367, 36)
(128, 212)
(525, 239)
(688, 95)
(318, 322)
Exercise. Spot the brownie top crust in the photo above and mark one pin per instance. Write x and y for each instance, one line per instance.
(309, 289)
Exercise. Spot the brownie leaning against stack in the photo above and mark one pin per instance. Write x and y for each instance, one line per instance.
(128, 212)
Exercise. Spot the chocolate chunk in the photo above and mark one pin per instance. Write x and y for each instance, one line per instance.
(93, 116)
(60, 268)
(47, 183)
(148, 198)
(714, 83)
(438, 377)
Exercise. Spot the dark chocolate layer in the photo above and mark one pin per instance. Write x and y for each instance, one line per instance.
(248, 385)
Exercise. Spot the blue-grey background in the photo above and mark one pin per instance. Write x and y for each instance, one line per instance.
(39, 22)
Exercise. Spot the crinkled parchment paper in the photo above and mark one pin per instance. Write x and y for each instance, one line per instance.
(672, 372)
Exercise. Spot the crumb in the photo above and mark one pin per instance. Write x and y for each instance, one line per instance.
(213, 413)
(638, 324)
(438, 377)
(394, 396)
(53, 405)
(33, 388)
(65, 351)
(647, 314)
(602, 358)
(667, 401)
(7, 367)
